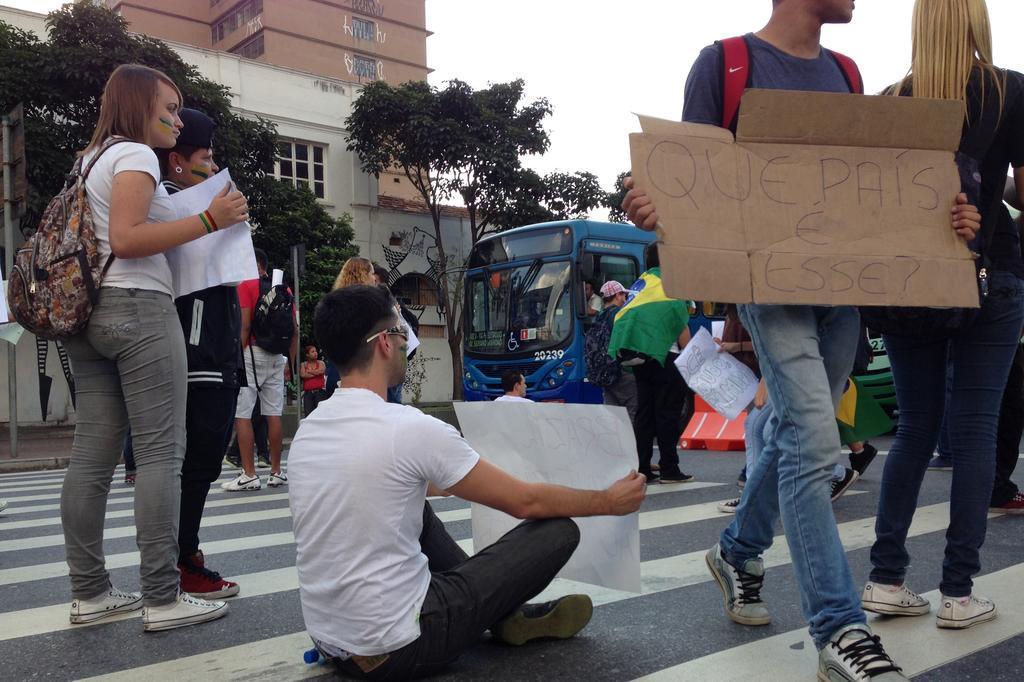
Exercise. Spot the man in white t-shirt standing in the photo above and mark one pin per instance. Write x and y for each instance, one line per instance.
(514, 384)
(385, 590)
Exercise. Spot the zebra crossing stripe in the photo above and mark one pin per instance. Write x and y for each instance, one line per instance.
(914, 643)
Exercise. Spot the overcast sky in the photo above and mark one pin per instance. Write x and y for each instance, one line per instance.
(599, 60)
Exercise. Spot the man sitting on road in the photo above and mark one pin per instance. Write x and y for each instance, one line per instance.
(385, 591)
(514, 384)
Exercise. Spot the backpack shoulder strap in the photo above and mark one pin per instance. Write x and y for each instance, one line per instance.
(735, 76)
(850, 72)
(104, 147)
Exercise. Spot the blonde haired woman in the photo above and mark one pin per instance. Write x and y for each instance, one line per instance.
(952, 59)
(356, 270)
(129, 362)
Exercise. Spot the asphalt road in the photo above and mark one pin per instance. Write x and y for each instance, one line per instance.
(673, 630)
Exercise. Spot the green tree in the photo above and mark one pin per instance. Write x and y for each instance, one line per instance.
(60, 81)
(535, 199)
(453, 142)
(613, 201)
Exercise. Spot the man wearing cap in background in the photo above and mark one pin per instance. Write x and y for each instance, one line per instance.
(623, 391)
(211, 321)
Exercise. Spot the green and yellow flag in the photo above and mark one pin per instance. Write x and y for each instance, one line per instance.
(859, 416)
(650, 322)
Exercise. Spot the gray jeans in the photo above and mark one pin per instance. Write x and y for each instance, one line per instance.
(129, 367)
(623, 393)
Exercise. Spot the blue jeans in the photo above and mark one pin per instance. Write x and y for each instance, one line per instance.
(981, 358)
(753, 433)
(806, 354)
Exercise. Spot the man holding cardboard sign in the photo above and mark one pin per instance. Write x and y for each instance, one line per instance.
(385, 590)
(800, 210)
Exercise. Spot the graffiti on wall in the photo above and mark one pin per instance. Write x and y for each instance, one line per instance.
(372, 7)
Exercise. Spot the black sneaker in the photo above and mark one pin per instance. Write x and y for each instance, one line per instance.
(860, 461)
(263, 461)
(677, 477)
(559, 619)
(652, 476)
(842, 485)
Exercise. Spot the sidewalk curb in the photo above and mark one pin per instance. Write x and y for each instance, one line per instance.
(34, 464)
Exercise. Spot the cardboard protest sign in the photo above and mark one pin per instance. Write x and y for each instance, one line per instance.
(821, 198)
(580, 446)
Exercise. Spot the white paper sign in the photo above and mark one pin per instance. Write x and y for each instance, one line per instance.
(3, 298)
(717, 328)
(224, 257)
(580, 446)
(723, 381)
(276, 277)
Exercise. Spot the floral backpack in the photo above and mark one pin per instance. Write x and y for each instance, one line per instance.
(55, 281)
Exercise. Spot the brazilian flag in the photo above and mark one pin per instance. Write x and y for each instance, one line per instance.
(859, 416)
(650, 322)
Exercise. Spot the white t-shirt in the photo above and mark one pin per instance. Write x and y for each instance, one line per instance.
(511, 399)
(151, 272)
(357, 477)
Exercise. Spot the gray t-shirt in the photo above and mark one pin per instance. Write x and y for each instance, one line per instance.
(770, 68)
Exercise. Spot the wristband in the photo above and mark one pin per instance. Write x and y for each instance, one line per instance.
(209, 216)
(206, 223)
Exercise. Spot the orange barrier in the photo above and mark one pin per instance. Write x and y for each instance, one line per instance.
(709, 430)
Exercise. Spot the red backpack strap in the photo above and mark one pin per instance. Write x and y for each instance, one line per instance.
(850, 71)
(735, 76)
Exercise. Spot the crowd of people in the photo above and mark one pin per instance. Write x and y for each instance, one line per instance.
(385, 591)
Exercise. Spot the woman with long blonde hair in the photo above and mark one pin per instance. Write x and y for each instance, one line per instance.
(952, 59)
(356, 270)
(129, 361)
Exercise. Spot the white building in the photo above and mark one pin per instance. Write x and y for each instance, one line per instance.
(309, 112)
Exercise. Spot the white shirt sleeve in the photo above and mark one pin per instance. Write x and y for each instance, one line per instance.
(132, 156)
(432, 450)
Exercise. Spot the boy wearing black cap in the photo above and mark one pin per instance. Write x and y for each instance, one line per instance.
(211, 321)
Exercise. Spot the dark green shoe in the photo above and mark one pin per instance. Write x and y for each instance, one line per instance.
(559, 619)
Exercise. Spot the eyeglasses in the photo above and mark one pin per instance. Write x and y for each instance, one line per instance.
(400, 330)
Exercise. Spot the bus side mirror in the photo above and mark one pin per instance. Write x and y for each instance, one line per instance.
(588, 266)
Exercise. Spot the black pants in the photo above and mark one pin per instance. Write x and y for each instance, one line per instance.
(310, 399)
(209, 416)
(661, 395)
(1011, 426)
(467, 595)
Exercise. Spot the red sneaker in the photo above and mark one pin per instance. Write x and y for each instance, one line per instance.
(201, 582)
(1014, 506)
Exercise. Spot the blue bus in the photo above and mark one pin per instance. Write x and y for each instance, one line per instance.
(526, 310)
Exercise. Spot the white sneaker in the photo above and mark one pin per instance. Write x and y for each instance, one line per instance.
(958, 613)
(185, 610)
(110, 603)
(893, 600)
(729, 506)
(280, 478)
(855, 653)
(243, 482)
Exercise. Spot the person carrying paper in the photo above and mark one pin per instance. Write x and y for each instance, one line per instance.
(211, 321)
(806, 353)
(386, 593)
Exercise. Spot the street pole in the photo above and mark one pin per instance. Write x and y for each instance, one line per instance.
(298, 356)
(9, 209)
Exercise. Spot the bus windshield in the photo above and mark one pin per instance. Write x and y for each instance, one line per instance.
(520, 309)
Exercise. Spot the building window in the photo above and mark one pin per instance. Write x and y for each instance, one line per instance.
(250, 49)
(415, 289)
(243, 14)
(302, 164)
(363, 29)
(364, 68)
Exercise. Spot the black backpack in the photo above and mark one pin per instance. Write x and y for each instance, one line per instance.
(273, 320)
(602, 369)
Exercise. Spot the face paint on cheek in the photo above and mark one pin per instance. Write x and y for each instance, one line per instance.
(200, 172)
(167, 123)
